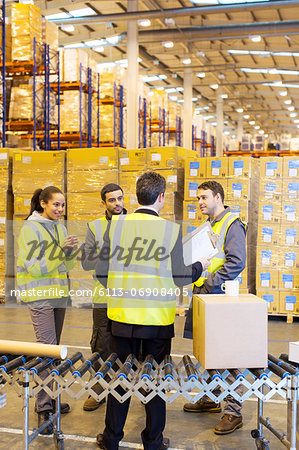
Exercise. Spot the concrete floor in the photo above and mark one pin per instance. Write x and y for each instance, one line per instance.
(186, 431)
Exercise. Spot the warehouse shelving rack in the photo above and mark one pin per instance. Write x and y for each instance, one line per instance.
(43, 66)
(118, 115)
(2, 76)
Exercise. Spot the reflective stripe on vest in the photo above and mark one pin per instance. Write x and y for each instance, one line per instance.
(140, 273)
(40, 277)
(219, 228)
(98, 228)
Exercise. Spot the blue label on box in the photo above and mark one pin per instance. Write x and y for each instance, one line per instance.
(268, 298)
(294, 164)
(270, 187)
(193, 186)
(191, 207)
(194, 165)
(240, 279)
(216, 163)
(237, 186)
(293, 186)
(291, 232)
(272, 165)
(265, 276)
(268, 231)
(190, 228)
(290, 256)
(289, 209)
(290, 298)
(266, 253)
(267, 208)
(235, 208)
(238, 164)
(287, 277)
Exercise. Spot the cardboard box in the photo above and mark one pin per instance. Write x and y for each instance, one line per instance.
(127, 181)
(188, 227)
(289, 234)
(271, 298)
(245, 316)
(288, 279)
(290, 212)
(289, 257)
(289, 301)
(92, 159)
(290, 188)
(237, 189)
(24, 161)
(25, 183)
(167, 157)
(270, 189)
(294, 351)
(267, 278)
(191, 188)
(290, 166)
(239, 166)
(269, 211)
(132, 160)
(267, 257)
(195, 168)
(217, 167)
(268, 234)
(243, 280)
(174, 179)
(192, 212)
(240, 207)
(90, 180)
(271, 167)
(84, 203)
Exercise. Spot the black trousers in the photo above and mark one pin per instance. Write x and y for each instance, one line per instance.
(116, 413)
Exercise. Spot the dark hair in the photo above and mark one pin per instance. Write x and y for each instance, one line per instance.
(148, 187)
(42, 194)
(111, 187)
(214, 186)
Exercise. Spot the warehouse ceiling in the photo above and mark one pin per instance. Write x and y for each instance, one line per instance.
(250, 50)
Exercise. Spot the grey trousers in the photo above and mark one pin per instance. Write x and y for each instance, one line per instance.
(47, 323)
(231, 405)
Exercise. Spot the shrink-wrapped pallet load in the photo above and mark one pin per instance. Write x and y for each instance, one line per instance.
(26, 24)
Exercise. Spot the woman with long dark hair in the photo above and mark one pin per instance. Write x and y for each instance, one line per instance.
(46, 254)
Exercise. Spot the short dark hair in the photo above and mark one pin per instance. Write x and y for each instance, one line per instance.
(148, 187)
(111, 187)
(214, 186)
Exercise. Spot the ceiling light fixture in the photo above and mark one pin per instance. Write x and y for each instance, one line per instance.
(251, 122)
(246, 116)
(293, 114)
(291, 108)
(239, 110)
(144, 22)
(67, 28)
(168, 44)
(214, 86)
(256, 38)
(288, 102)
(200, 74)
(283, 93)
(224, 96)
(186, 60)
(169, 21)
(99, 49)
(257, 127)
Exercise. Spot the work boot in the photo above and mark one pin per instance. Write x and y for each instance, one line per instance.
(91, 404)
(202, 406)
(164, 445)
(64, 407)
(43, 417)
(228, 424)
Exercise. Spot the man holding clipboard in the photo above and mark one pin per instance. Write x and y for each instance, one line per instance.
(227, 264)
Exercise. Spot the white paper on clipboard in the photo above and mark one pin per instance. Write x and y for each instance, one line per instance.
(201, 243)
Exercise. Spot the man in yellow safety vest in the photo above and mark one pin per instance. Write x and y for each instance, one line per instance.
(113, 200)
(143, 270)
(227, 265)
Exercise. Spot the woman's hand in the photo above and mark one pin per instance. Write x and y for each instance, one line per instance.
(70, 242)
(205, 262)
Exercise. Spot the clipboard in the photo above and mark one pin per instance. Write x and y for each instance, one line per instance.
(201, 243)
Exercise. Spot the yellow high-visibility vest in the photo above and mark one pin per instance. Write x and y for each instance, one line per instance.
(142, 290)
(42, 265)
(220, 227)
(98, 228)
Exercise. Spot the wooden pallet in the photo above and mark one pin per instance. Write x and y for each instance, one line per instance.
(289, 316)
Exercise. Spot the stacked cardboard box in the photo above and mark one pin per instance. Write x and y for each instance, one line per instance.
(71, 60)
(21, 101)
(132, 163)
(70, 112)
(278, 242)
(26, 24)
(50, 34)
(88, 170)
(246, 142)
(6, 243)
